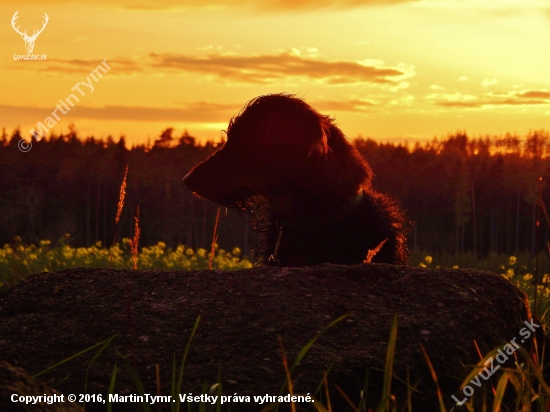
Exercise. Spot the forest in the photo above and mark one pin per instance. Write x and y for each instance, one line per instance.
(463, 193)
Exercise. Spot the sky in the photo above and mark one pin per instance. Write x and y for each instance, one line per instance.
(392, 70)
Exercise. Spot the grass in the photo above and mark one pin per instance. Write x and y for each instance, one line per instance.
(519, 269)
(523, 378)
(18, 261)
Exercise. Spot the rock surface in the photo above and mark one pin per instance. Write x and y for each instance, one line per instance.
(52, 316)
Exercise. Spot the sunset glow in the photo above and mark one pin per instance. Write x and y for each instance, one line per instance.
(392, 70)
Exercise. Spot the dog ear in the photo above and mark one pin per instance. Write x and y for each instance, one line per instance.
(321, 146)
(340, 148)
(336, 139)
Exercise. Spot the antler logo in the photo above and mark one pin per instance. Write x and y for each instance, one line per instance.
(29, 40)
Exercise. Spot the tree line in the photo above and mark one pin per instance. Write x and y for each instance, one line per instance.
(464, 194)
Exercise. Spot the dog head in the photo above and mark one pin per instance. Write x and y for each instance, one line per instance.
(278, 144)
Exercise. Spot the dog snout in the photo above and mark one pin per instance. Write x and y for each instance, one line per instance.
(214, 179)
(190, 181)
(202, 182)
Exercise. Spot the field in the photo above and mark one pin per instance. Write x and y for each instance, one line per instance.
(500, 237)
(19, 260)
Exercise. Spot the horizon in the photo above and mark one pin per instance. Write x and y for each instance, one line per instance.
(395, 141)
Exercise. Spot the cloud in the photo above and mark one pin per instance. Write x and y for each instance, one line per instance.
(352, 105)
(191, 112)
(526, 98)
(535, 94)
(266, 5)
(249, 69)
(194, 112)
(85, 66)
(22, 114)
(460, 104)
(267, 68)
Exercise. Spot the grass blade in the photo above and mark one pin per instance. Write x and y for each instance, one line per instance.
(308, 346)
(434, 377)
(388, 370)
(111, 389)
(348, 400)
(145, 407)
(105, 342)
(176, 389)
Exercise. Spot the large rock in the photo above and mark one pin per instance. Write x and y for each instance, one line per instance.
(54, 315)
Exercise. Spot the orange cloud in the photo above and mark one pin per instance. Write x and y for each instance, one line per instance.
(267, 5)
(196, 112)
(251, 69)
(343, 105)
(120, 66)
(265, 68)
(536, 94)
(192, 112)
(532, 97)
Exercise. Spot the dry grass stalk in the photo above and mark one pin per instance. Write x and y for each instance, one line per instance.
(287, 371)
(157, 368)
(121, 196)
(434, 377)
(347, 399)
(134, 242)
(119, 212)
(327, 393)
(481, 359)
(214, 240)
